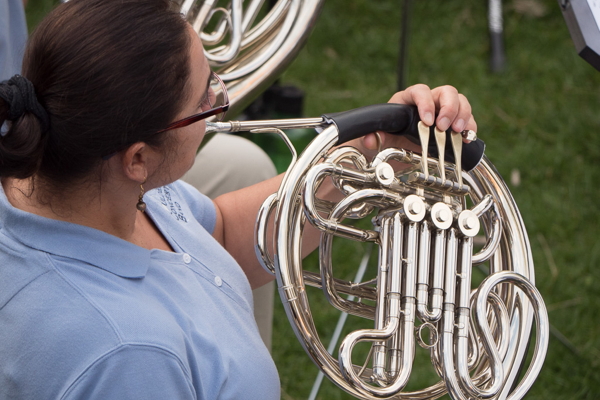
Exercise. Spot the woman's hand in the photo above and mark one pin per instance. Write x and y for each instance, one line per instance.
(443, 106)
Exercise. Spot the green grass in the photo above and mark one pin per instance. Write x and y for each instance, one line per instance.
(540, 117)
(36, 10)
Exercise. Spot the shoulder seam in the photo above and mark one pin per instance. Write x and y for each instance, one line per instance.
(24, 286)
(108, 320)
(133, 345)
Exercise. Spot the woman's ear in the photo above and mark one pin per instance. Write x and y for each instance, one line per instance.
(135, 161)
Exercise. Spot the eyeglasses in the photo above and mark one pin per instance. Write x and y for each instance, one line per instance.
(218, 101)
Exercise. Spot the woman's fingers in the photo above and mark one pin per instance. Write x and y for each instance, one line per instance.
(443, 106)
(371, 142)
(421, 96)
(449, 108)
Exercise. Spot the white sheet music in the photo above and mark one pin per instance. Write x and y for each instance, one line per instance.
(595, 7)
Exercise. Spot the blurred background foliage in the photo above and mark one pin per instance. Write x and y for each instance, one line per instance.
(540, 119)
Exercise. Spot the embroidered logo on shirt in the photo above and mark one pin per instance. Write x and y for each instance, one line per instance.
(173, 206)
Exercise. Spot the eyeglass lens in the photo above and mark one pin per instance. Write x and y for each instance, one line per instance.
(217, 96)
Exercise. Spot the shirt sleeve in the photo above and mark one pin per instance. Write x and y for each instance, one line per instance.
(134, 372)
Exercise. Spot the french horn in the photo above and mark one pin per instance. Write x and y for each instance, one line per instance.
(250, 43)
(425, 217)
(424, 220)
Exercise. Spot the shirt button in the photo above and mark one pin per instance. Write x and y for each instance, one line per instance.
(186, 258)
(218, 281)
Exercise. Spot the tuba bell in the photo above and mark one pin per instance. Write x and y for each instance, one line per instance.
(433, 220)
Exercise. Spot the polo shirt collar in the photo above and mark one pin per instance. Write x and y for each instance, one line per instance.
(79, 242)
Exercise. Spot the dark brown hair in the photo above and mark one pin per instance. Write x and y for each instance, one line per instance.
(109, 73)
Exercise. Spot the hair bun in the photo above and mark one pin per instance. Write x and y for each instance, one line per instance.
(19, 94)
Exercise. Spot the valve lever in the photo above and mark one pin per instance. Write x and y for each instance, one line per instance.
(457, 148)
(424, 137)
(440, 140)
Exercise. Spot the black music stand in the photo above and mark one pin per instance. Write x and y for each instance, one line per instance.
(583, 21)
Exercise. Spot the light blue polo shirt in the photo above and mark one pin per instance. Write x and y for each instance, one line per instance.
(86, 315)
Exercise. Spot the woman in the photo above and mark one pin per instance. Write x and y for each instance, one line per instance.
(117, 280)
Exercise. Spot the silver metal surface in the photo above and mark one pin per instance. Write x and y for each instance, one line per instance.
(421, 224)
(477, 336)
(249, 43)
(247, 126)
(469, 135)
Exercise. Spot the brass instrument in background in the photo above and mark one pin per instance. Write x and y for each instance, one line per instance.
(250, 43)
(425, 218)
